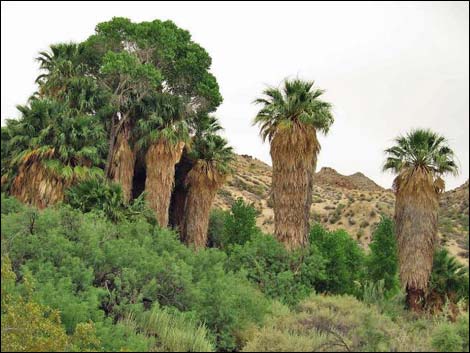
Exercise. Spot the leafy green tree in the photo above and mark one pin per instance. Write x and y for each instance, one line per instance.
(136, 60)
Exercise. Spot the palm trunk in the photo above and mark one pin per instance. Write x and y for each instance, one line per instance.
(180, 192)
(177, 207)
(416, 217)
(415, 299)
(35, 186)
(294, 153)
(203, 186)
(160, 161)
(121, 169)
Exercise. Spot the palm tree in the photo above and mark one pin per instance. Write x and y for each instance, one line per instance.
(289, 119)
(211, 166)
(52, 148)
(419, 159)
(449, 279)
(59, 65)
(164, 134)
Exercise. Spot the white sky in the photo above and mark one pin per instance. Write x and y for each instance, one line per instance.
(387, 67)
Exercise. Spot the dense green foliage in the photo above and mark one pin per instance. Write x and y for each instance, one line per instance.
(92, 269)
(344, 324)
(145, 80)
(126, 284)
(101, 196)
(449, 279)
(235, 227)
(344, 267)
(382, 262)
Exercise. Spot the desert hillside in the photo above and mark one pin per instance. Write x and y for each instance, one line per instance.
(352, 202)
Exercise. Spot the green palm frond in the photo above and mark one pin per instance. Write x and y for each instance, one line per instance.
(297, 102)
(421, 148)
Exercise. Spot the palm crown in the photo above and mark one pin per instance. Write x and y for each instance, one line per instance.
(161, 117)
(214, 152)
(423, 149)
(297, 103)
(68, 145)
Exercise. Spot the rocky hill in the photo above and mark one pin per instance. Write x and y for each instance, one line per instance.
(352, 202)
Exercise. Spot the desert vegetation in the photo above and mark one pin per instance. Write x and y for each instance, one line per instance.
(79, 280)
(129, 224)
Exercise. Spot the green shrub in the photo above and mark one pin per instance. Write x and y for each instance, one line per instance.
(331, 323)
(216, 230)
(92, 269)
(239, 225)
(10, 205)
(280, 274)
(447, 339)
(449, 278)
(105, 197)
(344, 260)
(227, 304)
(382, 261)
(175, 331)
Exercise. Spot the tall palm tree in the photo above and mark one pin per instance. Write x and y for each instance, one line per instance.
(52, 148)
(211, 167)
(290, 118)
(419, 159)
(163, 134)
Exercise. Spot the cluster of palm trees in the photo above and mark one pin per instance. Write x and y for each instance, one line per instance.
(126, 102)
(132, 96)
(290, 118)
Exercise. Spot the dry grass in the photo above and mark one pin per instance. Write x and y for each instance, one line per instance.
(160, 161)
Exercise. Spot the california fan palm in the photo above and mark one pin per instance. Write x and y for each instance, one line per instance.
(419, 159)
(51, 148)
(290, 119)
(211, 166)
(163, 133)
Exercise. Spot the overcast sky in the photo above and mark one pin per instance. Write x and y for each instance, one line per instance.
(386, 67)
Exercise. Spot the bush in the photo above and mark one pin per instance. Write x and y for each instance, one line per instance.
(175, 331)
(10, 205)
(235, 227)
(344, 260)
(216, 230)
(29, 326)
(279, 273)
(227, 304)
(451, 337)
(382, 262)
(449, 279)
(333, 323)
(92, 269)
(105, 197)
